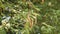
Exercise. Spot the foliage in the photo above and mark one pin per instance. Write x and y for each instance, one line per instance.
(29, 16)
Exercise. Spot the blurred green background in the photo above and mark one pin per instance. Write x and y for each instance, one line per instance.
(29, 16)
